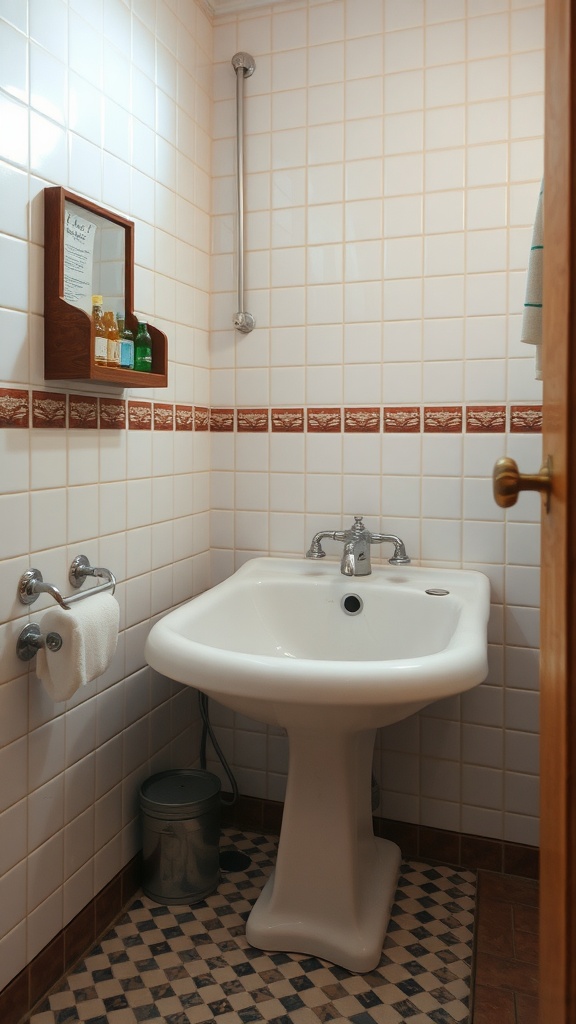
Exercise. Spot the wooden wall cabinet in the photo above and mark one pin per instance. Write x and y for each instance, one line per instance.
(107, 269)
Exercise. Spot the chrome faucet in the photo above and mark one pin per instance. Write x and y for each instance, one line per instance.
(356, 554)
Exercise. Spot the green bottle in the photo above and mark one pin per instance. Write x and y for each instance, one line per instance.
(143, 349)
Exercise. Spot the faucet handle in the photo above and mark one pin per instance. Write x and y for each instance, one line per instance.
(359, 519)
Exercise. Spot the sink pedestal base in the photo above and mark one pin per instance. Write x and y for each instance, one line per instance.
(331, 892)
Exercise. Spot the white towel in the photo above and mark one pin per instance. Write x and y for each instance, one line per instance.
(89, 632)
(532, 318)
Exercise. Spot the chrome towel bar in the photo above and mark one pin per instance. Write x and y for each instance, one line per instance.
(31, 583)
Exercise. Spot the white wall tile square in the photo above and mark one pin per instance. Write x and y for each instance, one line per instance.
(444, 127)
(15, 118)
(444, 169)
(403, 300)
(404, 175)
(441, 499)
(527, 72)
(445, 85)
(444, 10)
(446, 43)
(289, 29)
(403, 133)
(527, 28)
(488, 121)
(403, 216)
(323, 63)
(404, 49)
(487, 36)
(364, 57)
(364, 98)
(364, 139)
(403, 91)
(443, 212)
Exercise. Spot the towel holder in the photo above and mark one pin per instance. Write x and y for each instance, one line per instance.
(31, 639)
(31, 583)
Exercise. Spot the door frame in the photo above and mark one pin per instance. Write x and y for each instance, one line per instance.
(558, 642)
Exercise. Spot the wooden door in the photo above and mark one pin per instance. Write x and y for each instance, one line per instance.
(558, 659)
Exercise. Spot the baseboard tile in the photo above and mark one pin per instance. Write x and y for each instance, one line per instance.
(431, 844)
(30, 986)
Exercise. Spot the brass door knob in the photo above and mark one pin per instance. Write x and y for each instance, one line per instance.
(508, 482)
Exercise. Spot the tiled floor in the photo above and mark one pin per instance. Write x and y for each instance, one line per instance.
(506, 985)
(187, 965)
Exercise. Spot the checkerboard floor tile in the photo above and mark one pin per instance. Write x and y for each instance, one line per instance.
(193, 965)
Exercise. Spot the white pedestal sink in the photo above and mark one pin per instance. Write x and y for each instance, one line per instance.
(331, 659)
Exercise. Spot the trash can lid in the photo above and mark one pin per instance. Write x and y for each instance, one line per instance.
(180, 789)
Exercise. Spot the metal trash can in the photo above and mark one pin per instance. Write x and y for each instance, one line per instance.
(181, 833)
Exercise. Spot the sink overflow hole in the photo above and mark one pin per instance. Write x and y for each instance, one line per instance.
(437, 592)
(352, 604)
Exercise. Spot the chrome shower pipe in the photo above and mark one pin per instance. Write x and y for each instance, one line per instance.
(244, 66)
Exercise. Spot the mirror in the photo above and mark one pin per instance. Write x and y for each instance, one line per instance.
(94, 259)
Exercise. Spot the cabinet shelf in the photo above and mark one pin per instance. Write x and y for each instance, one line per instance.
(68, 329)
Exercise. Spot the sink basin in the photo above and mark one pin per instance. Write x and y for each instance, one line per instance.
(276, 636)
(330, 658)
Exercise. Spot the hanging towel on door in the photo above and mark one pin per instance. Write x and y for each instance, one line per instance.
(532, 318)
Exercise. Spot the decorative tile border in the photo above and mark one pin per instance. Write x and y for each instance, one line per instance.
(485, 419)
(183, 417)
(402, 420)
(83, 411)
(14, 407)
(201, 418)
(288, 421)
(526, 419)
(163, 416)
(222, 420)
(252, 421)
(112, 414)
(50, 409)
(443, 419)
(362, 420)
(139, 415)
(324, 421)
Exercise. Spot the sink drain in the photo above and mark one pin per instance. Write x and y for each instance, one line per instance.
(437, 592)
(352, 604)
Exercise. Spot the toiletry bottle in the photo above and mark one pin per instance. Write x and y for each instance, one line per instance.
(113, 337)
(126, 344)
(143, 349)
(100, 336)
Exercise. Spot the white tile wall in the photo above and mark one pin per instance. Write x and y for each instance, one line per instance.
(394, 154)
(129, 127)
